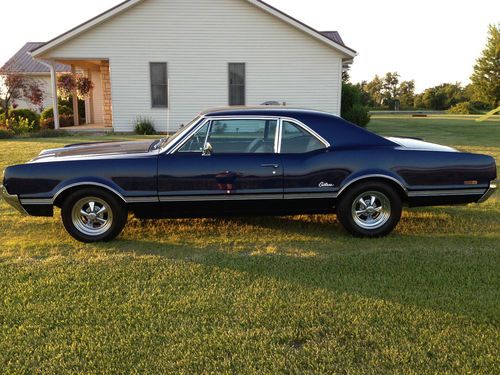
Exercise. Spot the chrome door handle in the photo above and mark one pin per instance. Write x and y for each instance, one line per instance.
(275, 166)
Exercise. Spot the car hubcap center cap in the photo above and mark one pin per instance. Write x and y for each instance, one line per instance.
(92, 216)
(371, 210)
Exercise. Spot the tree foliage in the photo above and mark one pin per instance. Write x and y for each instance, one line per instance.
(15, 86)
(486, 76)
(353, 109)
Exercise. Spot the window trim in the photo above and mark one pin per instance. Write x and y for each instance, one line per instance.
(229, 84)
(277, 138)
(166, 85)
(304, 127)
(189, 134)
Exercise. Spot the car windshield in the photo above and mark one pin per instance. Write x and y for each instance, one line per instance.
(164, 142)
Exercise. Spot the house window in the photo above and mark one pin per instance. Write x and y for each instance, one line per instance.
(236, 83)
(159, 85)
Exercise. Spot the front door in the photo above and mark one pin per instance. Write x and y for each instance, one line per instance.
(228, 161)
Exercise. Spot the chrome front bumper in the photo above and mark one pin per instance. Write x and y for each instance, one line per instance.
(491, 190)
(13, 200)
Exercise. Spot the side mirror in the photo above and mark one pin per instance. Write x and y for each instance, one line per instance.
(207, 150)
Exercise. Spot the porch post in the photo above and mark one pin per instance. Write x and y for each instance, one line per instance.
(76, 117)
(51, 64)
(89, 101)
(53, 83)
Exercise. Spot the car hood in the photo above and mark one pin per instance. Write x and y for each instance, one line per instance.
(418, 144)
(97, 149)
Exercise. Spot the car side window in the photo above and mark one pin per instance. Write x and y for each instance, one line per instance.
(295, 140)
(196, 141)
(242, 136)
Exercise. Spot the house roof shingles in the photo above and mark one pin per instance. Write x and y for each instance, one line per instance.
(23, 62)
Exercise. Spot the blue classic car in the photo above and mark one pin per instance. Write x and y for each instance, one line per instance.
(248, 161)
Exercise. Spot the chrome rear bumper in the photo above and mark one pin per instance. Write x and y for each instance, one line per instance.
(13, 200)
(491, 190)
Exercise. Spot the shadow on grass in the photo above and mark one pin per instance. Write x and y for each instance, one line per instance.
(455, 273)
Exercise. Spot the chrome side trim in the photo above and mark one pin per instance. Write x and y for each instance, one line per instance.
(332, 195)
(491, 190)
(29, 201)
(444, 193)
(222, 197)
(142, 200)
(373, 176)
(12, 200)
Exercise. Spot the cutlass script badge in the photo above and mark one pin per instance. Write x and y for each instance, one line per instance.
(325, 184)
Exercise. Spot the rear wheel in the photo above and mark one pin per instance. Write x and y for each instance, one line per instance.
(370, 209)
(93, 215)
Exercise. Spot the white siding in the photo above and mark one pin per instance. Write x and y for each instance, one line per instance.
(44, 82)
(198, 38)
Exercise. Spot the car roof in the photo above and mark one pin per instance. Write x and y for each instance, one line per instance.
(263, 111)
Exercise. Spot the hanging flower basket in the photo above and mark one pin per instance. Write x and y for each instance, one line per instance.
(66, 83)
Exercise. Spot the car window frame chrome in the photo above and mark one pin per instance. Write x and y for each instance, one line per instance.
(304, 127)
(211, 119)
(278, 138)
(185, 136)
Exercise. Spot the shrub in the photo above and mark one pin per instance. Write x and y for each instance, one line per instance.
(6, 134)
(352, 108)
(27, 114)
(357, 114)
(20, 125)
(49, 112)
(464, 108)
(65, 121)
(144, 126)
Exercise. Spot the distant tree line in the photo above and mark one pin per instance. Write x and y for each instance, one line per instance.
(389, 92)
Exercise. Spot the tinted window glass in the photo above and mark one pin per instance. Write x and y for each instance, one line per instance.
(159, 84)
(197, 140)
(295, 140)
(236, 84)
(242, 136)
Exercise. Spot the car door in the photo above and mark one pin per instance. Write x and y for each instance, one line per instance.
(225, 160)
(311, 175)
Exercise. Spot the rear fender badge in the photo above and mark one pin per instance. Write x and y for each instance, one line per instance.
(325, 184)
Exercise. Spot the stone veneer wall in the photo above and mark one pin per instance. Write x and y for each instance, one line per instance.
(106, 90)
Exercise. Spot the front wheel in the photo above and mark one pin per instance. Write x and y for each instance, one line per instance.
(370, 209)
(93, 215)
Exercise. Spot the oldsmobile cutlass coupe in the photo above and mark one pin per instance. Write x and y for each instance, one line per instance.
(251, 161)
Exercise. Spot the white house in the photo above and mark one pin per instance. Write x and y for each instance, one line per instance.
(170, 59)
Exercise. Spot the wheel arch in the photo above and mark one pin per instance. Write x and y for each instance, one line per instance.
(395, 183)
(64, 192)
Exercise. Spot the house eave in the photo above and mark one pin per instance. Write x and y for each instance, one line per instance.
(347, 52)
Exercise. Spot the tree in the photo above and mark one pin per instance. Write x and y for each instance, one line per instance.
(374, 90)
(352, 108)
(391, 89)
(442, 97)
(486, 76)
(406, 92)
(17, 86)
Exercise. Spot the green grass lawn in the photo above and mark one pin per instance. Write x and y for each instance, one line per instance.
(258, 295)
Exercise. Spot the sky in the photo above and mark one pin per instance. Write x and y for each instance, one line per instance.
(430, 41)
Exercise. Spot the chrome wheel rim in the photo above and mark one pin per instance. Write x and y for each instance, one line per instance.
(92, 216)
(371, 210)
